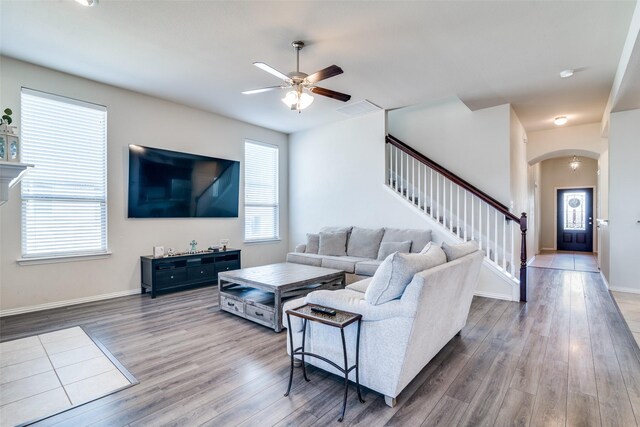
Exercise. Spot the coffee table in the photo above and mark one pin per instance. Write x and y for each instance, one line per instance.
(258, 293)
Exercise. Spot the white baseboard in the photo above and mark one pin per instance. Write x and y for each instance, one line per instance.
(548, 249)
(50, 305)
(493, 295)
(627, 290)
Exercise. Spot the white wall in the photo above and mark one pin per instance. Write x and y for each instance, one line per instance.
(555, 173)
(582, 140)
(133, 118)
(521, 181)
(472, 144)
(518, 176)
(336, 177)
(535, 186)
(603, 213)
(624, 200)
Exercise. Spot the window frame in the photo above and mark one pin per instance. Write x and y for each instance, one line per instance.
(70, 255)
(275, 238)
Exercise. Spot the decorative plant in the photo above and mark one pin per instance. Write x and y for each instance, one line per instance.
(6, 117)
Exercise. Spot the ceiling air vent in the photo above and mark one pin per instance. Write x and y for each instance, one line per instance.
(359, 108)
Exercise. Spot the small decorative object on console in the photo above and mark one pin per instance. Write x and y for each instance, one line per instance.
(214, 248)
(224, 243)
(171, 251)
(194, 246)
(158, 251)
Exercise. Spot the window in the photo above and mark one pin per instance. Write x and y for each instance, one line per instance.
(64, 197)
(261, 205)
(574, 210)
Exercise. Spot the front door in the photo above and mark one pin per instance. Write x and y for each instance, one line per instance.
(575, 219)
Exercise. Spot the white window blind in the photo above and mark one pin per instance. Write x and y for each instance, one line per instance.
(64, 197)
(261, 204)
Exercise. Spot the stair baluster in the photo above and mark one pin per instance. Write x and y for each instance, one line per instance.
(416, 182)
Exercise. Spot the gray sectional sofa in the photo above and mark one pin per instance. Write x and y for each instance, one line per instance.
(357, 250)
(400, 332)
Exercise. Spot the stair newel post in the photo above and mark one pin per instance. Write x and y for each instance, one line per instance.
(523, 258)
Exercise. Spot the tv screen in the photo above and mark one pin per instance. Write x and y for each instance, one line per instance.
(169, 184)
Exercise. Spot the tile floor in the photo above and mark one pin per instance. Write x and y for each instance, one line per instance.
(45, 374)
(577, 261)
(630, 308)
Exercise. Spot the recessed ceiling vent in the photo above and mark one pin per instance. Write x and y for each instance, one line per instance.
(359, 108)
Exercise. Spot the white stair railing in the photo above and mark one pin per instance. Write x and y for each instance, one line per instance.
(460, 208)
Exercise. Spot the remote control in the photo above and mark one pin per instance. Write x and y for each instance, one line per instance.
(324, 310)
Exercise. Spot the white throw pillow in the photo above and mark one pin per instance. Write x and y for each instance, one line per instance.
(426, 248)
(459, 250)
(397, 271)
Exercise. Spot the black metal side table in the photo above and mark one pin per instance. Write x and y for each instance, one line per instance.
(341, 320)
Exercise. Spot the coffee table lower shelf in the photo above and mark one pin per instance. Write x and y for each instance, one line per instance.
(261, 302)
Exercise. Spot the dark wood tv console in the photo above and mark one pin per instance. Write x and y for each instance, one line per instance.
(185, 271)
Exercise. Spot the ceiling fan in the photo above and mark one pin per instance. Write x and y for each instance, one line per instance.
(298, 99)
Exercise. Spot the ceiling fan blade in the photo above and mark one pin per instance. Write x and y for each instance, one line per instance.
(330, 93)
(264, 89)
(330, 71)
(269, 69)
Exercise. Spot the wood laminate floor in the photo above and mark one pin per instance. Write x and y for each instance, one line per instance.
(565, 358)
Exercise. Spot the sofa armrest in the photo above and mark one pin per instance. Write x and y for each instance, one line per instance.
(354, 302)
(300, 248)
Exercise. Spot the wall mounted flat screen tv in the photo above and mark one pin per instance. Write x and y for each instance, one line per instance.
(169, 184)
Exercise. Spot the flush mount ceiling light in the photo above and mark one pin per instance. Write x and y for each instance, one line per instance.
(560, 120)
(566, 73)
(87, 3)
(574, 163)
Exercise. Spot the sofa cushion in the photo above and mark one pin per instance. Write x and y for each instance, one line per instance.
(419, 238)
(333, 243)
(364, 242)
(395, 273)
(360, 285)
(367, 268)
(459, 250)
(313, 243)
(345, 263)
(307, 259)
(387, 248)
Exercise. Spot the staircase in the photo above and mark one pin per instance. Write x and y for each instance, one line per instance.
(462, 210)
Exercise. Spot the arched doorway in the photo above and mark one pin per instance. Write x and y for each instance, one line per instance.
(566, 203)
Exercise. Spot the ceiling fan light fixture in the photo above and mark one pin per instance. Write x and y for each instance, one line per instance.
(296, 101)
